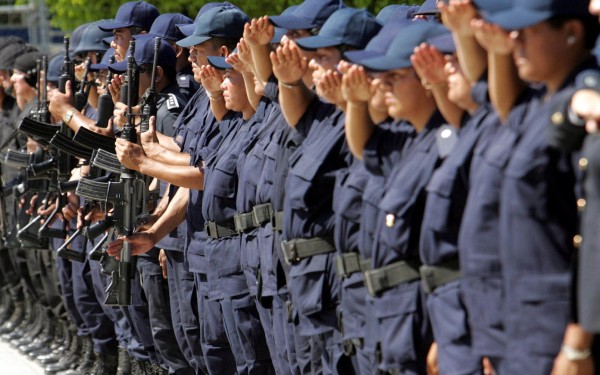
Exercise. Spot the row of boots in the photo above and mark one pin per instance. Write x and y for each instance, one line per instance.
(32, 330)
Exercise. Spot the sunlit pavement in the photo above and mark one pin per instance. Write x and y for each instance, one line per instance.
(12, 362)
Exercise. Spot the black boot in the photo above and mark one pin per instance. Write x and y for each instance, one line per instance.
(15, 319)
(124, 367)
(86, 361)
(61, 344)
(105, 364)
(68, 361)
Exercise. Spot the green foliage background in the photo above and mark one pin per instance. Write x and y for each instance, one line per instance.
(68, 14)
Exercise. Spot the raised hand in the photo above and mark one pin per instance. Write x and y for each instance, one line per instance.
(356, 86)
(457, 16)
(244, 54)
(492, 37)
(288, 65)
(115, 87)
(329, 87)
(211, 79)
(429, 64)
(259, 31)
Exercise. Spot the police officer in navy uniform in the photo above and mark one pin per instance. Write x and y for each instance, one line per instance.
(307, 238)
(393, 283)
(364, 188)
(538, 205)
(168, 27)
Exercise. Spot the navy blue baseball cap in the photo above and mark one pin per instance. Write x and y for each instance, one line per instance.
(103, 64)
(75, 38)
(219, 22)
(396, 11)
(443, 43)
(308, 15)
(92, 39)
(380, 43)
(144, 55)
(280, 31)
(8, 40)
(54, 68)
(188, 29)
(9, 54)
(166, 26)
(428, 8)
(133, 13)
(488, 7)
(524, 14)
(401, 49)
(348, 26)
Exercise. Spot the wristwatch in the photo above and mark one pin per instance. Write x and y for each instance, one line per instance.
(68, 116)
(573, 354)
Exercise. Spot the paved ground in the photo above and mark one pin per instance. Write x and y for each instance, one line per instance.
(14, 363)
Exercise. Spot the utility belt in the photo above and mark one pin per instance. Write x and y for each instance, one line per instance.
(433, 277)
(350, 263)
(297, 249)
(387, 277)
(277, 221)
(260, 214)
(221, 229)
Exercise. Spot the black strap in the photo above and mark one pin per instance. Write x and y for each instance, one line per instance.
(221, 229)
(433, 277)
(300, 248)
(350, 263)
(387, 277)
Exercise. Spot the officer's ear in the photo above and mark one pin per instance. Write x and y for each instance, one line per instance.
(575, 31)
(178, 51)
(159, 74)
(224, 51)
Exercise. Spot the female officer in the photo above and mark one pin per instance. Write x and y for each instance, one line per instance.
(538, 210)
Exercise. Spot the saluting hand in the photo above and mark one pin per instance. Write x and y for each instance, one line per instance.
(244, 55)
(211, 79)
(329, 87)
(492, 37)
(356, 86)
(457, 16)
(259, 31)
(288, 65)
(429, 64)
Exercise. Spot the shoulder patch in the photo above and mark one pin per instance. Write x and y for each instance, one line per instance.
(183, 81)
(172, 102)
(446, 139)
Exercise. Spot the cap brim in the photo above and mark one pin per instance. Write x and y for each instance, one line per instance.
(99, 66)
(443, 43)
(91, 48)
(219, 62)
(517, 19)
(118, 67)
(111, 25)
(186, 29)
(107, 41)
(192, 40)
(291, 22)
(278, 35)
(317, 41)
(384, 63)
(357, 57)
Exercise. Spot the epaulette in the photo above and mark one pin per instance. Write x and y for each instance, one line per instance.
(446, 139)
(172, 102)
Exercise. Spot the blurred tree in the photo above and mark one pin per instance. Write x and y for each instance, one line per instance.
(68, 14)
